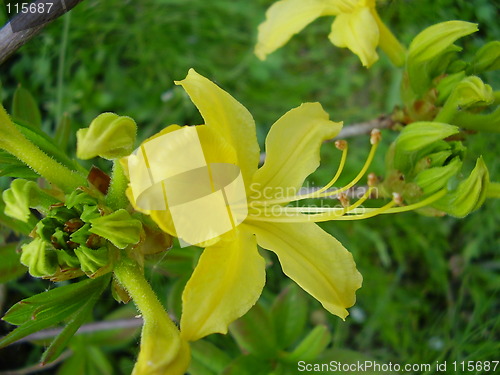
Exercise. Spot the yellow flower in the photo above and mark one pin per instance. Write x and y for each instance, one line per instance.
(357, 26)
(230, 274)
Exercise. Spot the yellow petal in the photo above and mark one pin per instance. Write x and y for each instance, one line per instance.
(162, 350)
(228, 117)
(226, 283)
(359, 32)
(292, 148)
(286, 18)
(314, 260)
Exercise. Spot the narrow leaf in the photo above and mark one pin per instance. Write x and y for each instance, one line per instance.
(289, 314)
(24, 107)
(61, 341)
(254, 333)
(10, 267)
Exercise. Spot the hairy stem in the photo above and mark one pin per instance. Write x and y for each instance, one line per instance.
(15, 143)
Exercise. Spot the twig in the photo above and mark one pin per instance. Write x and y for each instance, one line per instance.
(353, 130)
(38, 367)
(25, 26)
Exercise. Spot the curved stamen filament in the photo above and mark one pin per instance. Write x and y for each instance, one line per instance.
(322, 193)
(344, 146)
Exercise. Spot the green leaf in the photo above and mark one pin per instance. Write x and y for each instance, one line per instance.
(254, 333)
(24, 107)
(86, 360)
(289, 313)
(312, 346)
(63, 132)
(16, 169)
(248, 365)
(207, 359)
(10, 266)
(48, 308)
(60, 342)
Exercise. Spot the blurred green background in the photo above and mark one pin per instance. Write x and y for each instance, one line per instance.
(431, 285)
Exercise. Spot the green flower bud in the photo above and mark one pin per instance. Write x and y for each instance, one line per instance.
(469, 195)
(40, 260)
(429, 44)
(486, 59)
(457, 66)
(22, 195)
(471, 91)
(91, 260)
(68, 258)
(89, 213)
(79, 198)
(442, 63)
(118, 227)
(109, 136)
(418, 135)
(447, 84)
(434, 179)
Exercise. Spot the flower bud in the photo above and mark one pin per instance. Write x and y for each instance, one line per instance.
(446, 86)
(91, 260)
(118, 227)
(469, 195)
(109, 136)
(40, 260)
(22, 195)
(429, 44)
(434, 179)
(486, 59)
(471, 91)
(421, 134)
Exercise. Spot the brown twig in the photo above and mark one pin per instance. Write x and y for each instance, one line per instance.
(25, 26)
(353, 130)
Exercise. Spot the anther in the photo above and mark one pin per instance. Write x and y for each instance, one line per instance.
(375, 136)
(341, 144)
(344, 199)
(397, 198)
(372, 180)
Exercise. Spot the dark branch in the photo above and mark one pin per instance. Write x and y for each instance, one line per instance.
(25, 26)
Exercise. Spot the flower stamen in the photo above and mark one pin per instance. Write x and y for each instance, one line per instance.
(323, 193)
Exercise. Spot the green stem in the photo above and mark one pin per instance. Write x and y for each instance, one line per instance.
(116, 197)
(131, 277)
(389, 43)
(15, 143)
(493, 190)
